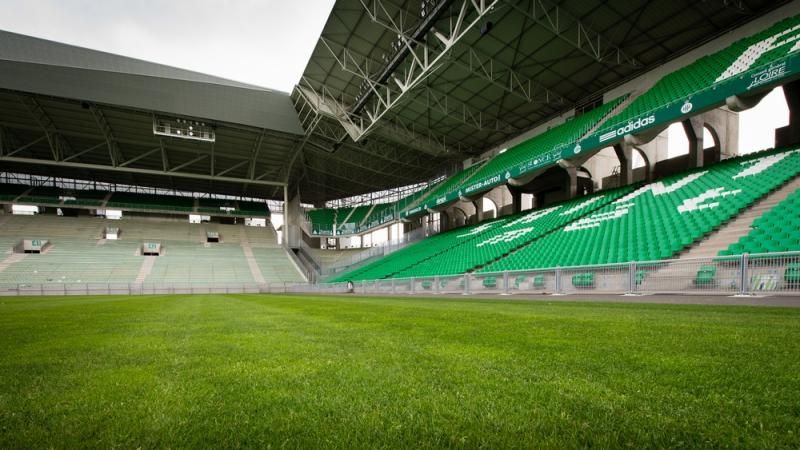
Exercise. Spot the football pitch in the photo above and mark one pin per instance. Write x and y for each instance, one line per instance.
(218, 371)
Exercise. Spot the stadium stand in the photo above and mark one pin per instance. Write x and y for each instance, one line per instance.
(78, 253)
(462, 256)
(659, 219)
(653, 222)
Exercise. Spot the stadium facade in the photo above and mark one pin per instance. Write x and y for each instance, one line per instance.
(434, 147)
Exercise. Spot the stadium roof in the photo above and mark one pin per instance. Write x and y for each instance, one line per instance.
(390, 96)
(73, 112)
(509, 66)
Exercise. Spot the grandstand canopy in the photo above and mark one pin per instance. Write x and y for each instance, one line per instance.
(390, 96)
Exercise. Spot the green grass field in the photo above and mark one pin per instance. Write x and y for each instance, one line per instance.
(307, 372)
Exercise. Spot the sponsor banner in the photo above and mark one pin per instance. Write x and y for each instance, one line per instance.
(772, 74)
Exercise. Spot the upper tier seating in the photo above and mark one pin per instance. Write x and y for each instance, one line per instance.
(381, 213)
(150, 201)
(712, 69)
(322, 220)
(253, 208)
(527, 152)
(778, 230)
(9, 192)
(350, 224)
(660, 219)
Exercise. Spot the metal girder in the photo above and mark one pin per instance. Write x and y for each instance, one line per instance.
(54, 139)
(164, 157)
(83, 152)
(28, 145)
(114, 153)
(141, 156)
(325, 103)
(424, 59)
(133, 170)
(477, 63)
(188, 163)
(361, 66)
(574, 32)
(233, 167)
(251, 172)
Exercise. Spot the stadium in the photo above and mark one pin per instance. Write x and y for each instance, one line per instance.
(470, 224)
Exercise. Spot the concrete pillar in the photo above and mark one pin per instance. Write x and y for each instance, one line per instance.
(571, 188)
(790, 134)
(693, 127)
(516, 200)
(478, 204)
(286, 217)
(624, 153)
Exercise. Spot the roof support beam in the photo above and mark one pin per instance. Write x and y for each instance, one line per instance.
(233, 167)
(477, 63)
(46, 124)
(326, 104)
(251, 172)
(114, 153)
(83, 152)
(425, 59)
(189, 163)
(164, 157)
(28, 145)
(574, 32)
(143, 155)
(359, 65)
(133, 170)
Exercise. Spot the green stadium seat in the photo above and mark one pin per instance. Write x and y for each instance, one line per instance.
(706, 276)
(583, 280)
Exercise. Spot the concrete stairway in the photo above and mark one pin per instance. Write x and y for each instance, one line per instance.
(255, 271)
(14, 257)
(739, 226)
(145, 269)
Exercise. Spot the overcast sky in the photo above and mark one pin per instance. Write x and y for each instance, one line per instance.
(261, 42)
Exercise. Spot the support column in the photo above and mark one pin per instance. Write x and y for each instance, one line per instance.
(624, 153)
(286, 220)
(693, 127)
(572, 182)
(516, 199)
(790, 134)
(478, 204)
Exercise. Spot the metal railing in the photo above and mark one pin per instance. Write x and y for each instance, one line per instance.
(19, 289)
(747, 274)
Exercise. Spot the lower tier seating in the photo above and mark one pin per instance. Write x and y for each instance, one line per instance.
(514, 232)
(778, 230)
(660, 219)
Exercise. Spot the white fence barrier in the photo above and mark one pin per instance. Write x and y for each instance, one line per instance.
(761, 274)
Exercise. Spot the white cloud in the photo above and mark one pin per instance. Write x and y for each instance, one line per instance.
(266, 43)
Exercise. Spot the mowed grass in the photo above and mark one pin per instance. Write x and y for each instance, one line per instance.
(222, 371)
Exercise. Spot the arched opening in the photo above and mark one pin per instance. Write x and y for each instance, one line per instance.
(757, 125)
(603, 168)
(677, 142)
(489, 208)
(459, 217)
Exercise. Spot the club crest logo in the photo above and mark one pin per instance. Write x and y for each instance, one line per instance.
(687, 107)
